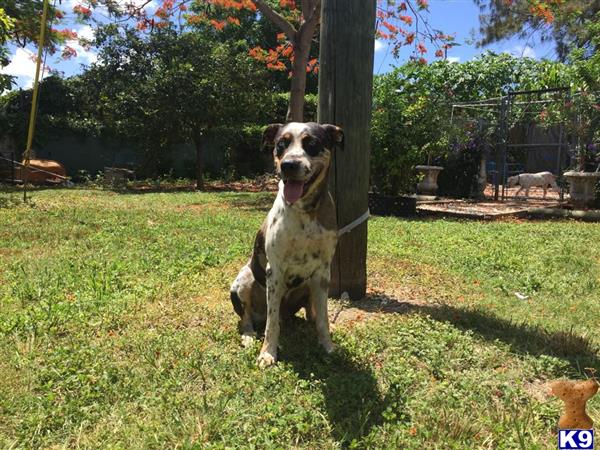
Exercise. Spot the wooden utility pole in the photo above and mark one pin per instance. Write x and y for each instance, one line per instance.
(345, 99)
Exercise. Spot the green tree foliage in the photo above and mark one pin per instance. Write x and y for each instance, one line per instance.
(412, 108)
(169, 87)
(62, 108)
(588, 66)
(6, 26)
(567, 23)
(159, 90)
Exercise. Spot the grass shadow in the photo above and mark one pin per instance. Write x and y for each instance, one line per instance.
(579, 351)
(353, 401)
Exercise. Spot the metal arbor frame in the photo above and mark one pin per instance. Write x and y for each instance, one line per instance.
(503, 113)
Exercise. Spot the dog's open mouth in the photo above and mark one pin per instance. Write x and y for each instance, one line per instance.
(293, 190)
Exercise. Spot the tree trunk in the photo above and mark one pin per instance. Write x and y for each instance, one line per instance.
(295, 111)
(301, 41)
(198, 143)
(345, 99)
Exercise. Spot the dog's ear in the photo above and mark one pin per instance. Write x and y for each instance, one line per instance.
(335, 136)
(268, 140)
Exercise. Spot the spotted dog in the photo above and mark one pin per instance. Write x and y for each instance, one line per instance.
(290, 265)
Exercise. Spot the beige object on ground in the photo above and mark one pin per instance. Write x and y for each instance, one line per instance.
(50, 171)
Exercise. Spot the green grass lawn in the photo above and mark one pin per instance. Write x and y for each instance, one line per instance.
(116, 331)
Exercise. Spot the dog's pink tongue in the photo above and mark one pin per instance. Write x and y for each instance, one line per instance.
(292, 190)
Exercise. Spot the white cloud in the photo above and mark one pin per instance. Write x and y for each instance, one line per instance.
(522, 51)
(22, 66)
(528, 52)
(379, 45)
(85, 56)
(85, 32)
(453, 59)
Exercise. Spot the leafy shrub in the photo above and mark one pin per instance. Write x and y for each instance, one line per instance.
(413, 106)
(461, 168)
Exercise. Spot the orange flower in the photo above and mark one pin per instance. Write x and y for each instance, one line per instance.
(218, 24)
(392, 28)
(80, 9)
(257, 53)
(408, 20)
(291, 4)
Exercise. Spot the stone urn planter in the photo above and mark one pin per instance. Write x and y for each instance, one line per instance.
(582, 187)
(428, 186)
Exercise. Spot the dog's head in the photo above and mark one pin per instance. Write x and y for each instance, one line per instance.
(302, 153)
(512, 181)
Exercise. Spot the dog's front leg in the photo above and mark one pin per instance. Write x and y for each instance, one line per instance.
(319, 286)
(275, 291)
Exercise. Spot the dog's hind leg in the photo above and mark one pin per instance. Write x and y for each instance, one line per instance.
(247, 329)
(319, 285)
(241, 298)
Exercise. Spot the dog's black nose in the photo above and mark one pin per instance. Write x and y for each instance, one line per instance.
(290, 166)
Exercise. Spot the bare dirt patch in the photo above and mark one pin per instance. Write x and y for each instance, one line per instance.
(539, 389)
(488, 208)
(197, 207)
(374, 305)
(264, 183)
(409, 280)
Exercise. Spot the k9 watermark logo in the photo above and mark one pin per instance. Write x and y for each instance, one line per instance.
(575, 439)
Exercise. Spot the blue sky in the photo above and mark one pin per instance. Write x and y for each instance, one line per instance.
(457, 17)
(461, 19)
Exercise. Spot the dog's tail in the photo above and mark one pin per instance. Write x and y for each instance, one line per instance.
(238, 307)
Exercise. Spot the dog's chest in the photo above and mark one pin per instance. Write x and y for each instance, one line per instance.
(297, 244)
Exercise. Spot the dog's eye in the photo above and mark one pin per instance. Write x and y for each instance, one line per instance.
(281, 146)
(312, 147)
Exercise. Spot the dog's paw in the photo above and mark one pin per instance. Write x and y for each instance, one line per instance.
(265, 359)
(248, 340)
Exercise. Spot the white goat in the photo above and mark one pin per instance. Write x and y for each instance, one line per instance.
(529, 180)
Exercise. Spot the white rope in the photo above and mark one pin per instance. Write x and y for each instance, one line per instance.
(352, 225)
